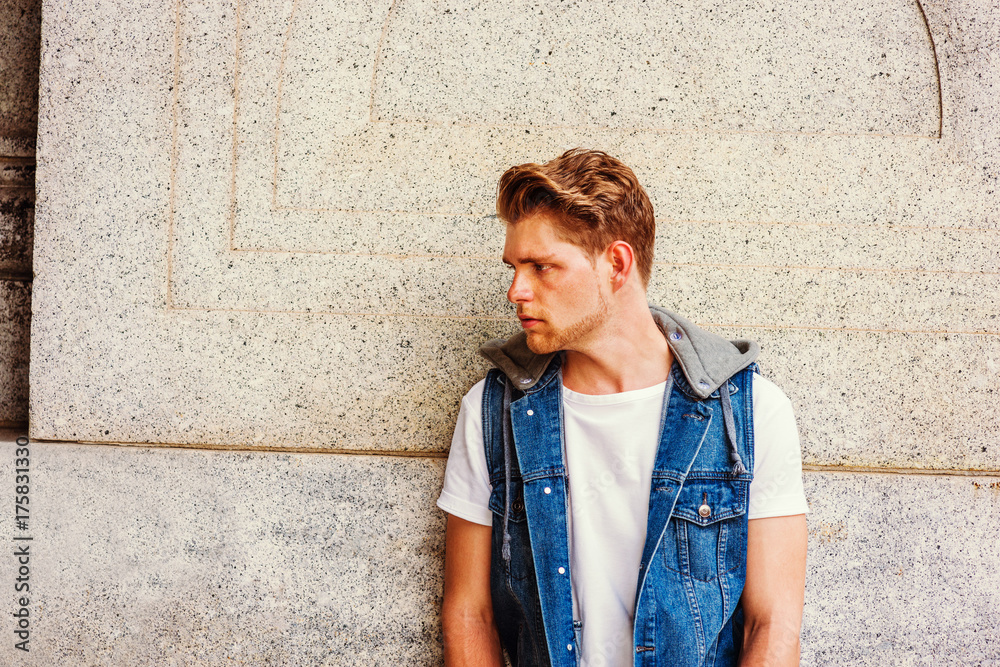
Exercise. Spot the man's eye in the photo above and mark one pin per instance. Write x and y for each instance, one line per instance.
(542, 267)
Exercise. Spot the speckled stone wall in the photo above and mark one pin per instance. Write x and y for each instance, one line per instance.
(144, 556)
(267, 227)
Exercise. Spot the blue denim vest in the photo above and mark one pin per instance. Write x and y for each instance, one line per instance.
(694, 560)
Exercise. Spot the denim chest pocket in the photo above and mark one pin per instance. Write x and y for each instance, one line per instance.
(521, 567)
(498, 495)
(706, 536)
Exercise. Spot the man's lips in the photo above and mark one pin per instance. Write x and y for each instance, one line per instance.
(527, 322)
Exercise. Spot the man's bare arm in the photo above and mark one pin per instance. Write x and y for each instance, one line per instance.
(470, 635)
(774, 591)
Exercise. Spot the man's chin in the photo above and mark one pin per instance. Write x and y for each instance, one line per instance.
(541, 344)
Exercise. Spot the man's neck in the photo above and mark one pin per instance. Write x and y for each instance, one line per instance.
(629, 353)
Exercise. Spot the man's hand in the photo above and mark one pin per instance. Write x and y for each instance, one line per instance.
(470, 636)
(774, 591)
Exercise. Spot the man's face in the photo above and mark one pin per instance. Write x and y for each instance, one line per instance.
(556, 287)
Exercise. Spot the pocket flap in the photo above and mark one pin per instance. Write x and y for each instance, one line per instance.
(517, 513)
(704, 501)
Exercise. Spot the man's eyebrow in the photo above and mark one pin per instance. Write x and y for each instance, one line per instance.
(538, 259)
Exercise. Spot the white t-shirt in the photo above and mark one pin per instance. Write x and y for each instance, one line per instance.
(611, 443)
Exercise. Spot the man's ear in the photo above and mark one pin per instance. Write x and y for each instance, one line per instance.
(622, 260)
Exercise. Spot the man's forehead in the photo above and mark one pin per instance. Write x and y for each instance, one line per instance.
(539, 216)
(537, 237)
(537, 229)
(533, 238)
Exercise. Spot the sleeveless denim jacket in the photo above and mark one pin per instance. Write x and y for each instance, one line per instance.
(694, 559)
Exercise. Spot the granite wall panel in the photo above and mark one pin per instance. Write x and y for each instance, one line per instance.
(177, 557)
(297, 167)
(901, 570)
(152, 556)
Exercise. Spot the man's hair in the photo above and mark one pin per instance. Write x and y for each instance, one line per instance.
(595, 198)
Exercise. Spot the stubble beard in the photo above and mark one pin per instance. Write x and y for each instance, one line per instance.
(563, 338)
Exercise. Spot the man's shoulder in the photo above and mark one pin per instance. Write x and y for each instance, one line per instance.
(773, 414)
(472, 402)
(767, 396)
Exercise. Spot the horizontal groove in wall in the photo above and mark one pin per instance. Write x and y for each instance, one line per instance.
(245, 448)
(443, 455)
(902, 471)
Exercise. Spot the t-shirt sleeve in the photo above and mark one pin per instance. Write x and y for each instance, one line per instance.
(776, 489)
(466, 492)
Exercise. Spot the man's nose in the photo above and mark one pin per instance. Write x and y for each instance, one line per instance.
(518, 292)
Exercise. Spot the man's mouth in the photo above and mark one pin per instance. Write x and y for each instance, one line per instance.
(527, 322)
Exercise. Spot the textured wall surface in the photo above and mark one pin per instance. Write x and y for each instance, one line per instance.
(168, 556)
(902, 570)
(20, 27)
(172, 557)
(283, 236)
(268, 226)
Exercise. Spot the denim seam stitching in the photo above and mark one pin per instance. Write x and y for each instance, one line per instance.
(689, 591)
(541, 474)
(720, 565)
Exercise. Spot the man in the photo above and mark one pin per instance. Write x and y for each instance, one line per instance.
(622, 488)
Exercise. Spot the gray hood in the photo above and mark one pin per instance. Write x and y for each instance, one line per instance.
(707, 359)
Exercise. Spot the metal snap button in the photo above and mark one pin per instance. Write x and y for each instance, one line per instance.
(676, 335)
(531, 412)
(562, 570)
(704, 511)
(547, 489)
(518, 505)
